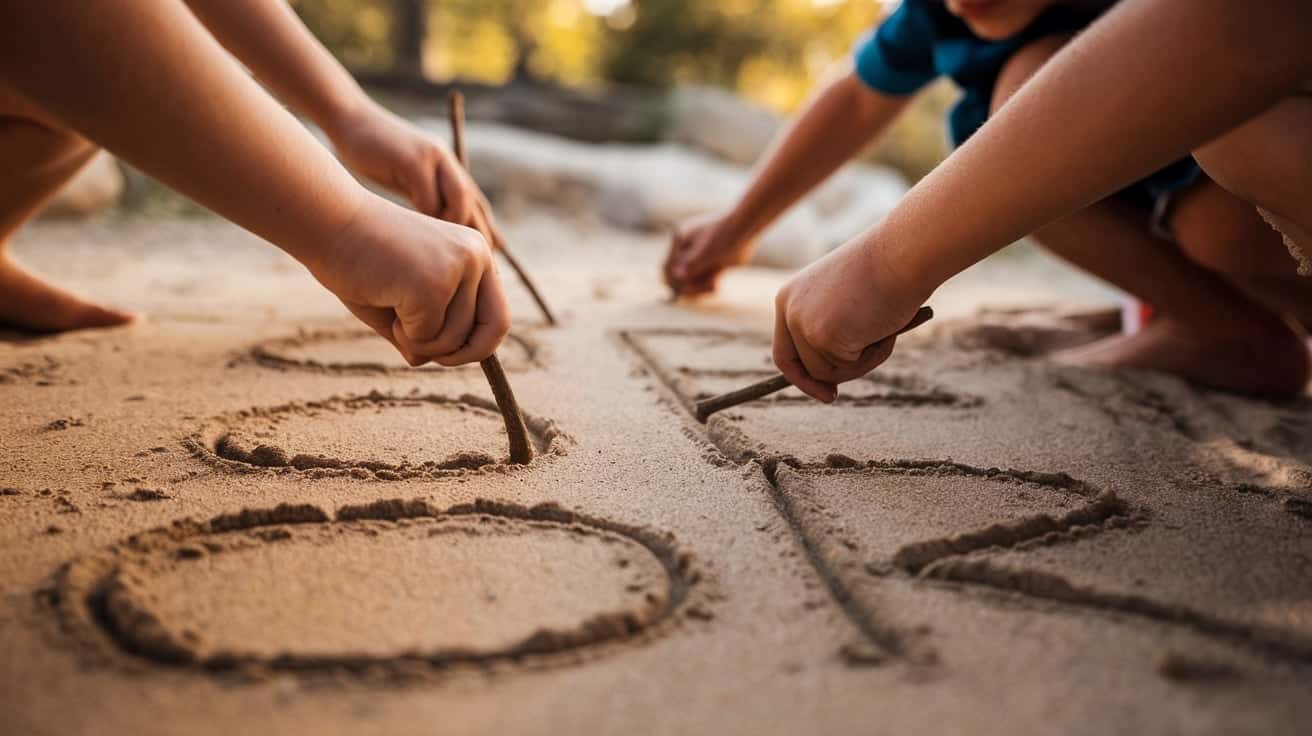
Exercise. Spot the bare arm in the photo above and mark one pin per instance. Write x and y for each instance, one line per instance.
(843, 118)
(282, 53)
(1149, 82)
(1144, 86)
(145, 80)
(833, 128)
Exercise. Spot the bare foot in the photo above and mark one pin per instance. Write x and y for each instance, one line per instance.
(1263, 361)
(29, 304)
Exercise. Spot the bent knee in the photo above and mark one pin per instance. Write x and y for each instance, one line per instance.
(1222, 232)
(1022, 65)
(1230, 162)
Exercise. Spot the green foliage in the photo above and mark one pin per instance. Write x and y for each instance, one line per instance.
(669, 39)
(770, 50)
(357, 31)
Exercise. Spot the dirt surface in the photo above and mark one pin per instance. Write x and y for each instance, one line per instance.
(242, 516)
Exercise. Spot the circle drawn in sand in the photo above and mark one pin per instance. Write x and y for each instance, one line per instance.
(373, 436)
(363, 352)
(393, 588)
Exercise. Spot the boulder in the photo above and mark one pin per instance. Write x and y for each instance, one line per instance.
(655, 188)
(720, 123)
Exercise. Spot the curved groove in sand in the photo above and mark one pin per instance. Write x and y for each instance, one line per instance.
(1102, 509)
(1047, 586)
(351, 351)
(419, 436)
(171, 595)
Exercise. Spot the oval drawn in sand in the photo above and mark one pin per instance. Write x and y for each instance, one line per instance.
(379, 436)
(362, 352)
(394, 587)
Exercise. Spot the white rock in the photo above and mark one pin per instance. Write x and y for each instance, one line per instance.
(98, 186)
(657, 187)
(721, 123)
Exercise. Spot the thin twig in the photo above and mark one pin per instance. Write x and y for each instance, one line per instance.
(705, 408)
(457, 102)
(499, 243)
(521, 448)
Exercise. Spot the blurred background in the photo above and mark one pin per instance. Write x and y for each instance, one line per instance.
(615, 119)
(640, 53)
(712, 77)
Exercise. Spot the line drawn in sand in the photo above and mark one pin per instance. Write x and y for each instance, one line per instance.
(955, 555)
(697, 364)
(863, 524)
(307, 437)
(354, 351)
(489, 586)
(41, 371)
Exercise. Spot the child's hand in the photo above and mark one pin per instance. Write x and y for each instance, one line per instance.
(836, 319)
(396, 155)
(426, 285)
(701, 251)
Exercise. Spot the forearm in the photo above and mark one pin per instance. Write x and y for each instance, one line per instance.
(1151, 81)
(835, 126)
(276, 46)
(143, 79)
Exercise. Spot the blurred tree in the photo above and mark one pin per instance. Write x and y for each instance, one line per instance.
(357, 31)
(769, 50)
(669, 39)
(409, 31)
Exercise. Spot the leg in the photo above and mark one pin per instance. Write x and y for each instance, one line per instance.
(1226, 234)
(1265, 162)
(39, 158)
(1209, 330)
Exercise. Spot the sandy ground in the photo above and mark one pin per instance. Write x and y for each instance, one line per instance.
(241, 516)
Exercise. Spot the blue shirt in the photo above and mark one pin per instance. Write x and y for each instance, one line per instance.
(921, 41)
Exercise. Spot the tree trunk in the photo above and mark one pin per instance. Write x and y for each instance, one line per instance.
(409, 29)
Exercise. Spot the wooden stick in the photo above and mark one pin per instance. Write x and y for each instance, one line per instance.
(500, 244)
(521, 448)
(456, 102)
(705, 408)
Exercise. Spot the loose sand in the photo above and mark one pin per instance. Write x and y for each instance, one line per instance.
(244, 515)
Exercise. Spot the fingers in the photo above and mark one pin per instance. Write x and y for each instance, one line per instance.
(698, 260)
(380, 320)
(459, 197)
(673, 260)
(457, 324)
(874, 356)
(487, 224)
(491, 323)
(789, 362)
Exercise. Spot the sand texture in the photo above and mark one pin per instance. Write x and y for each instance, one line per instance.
(360, 351)
(244, 515)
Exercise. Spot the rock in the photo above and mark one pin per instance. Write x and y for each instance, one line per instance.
(655, 188)
(720, 123)
(97, 187)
